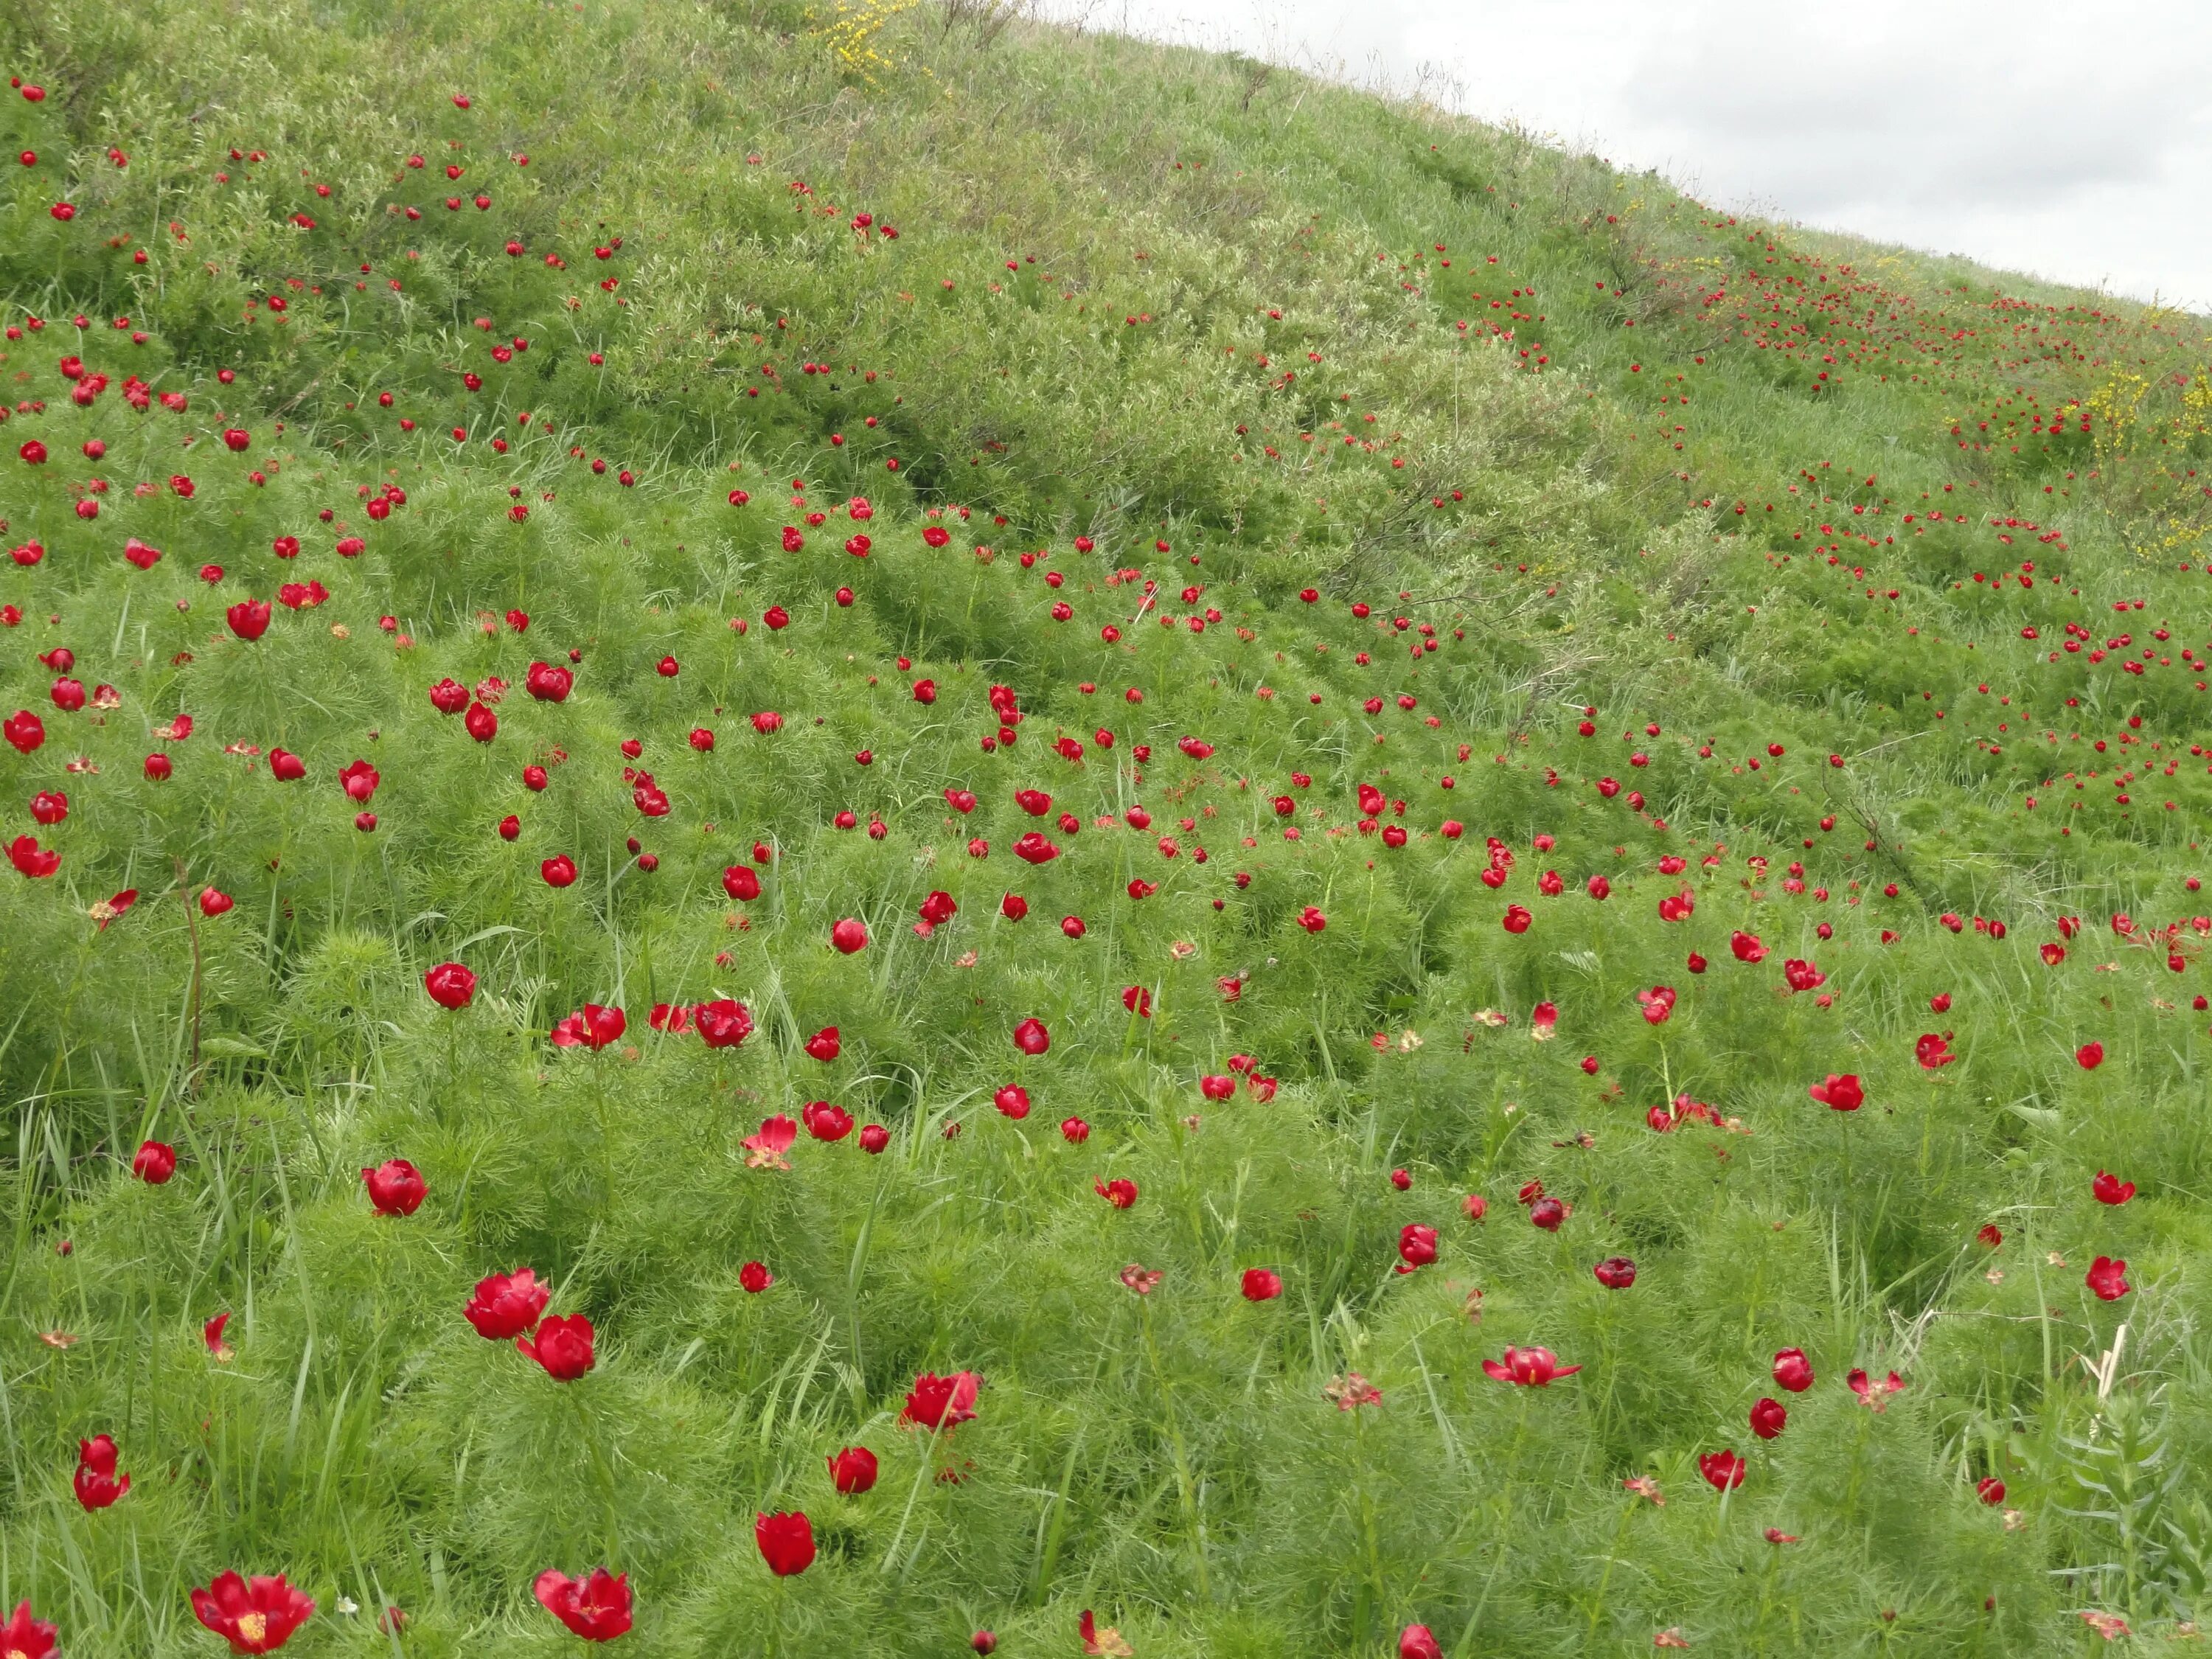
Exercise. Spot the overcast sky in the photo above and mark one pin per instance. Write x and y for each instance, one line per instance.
(2072, 140)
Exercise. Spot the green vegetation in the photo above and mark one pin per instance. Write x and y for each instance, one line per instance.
(891, 418)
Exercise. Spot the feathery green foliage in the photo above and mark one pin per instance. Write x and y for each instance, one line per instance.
(1827, 545)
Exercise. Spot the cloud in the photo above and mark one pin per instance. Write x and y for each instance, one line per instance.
(2071, 142)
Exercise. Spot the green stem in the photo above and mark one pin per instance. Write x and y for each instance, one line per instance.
(588, 1427)
(928, 1462)
(1183, 1481)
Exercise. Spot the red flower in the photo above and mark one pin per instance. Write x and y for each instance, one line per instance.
(1933, 1051)
(754, 1278)
(1034, 848)
(1528, 1368)
(395, 1187)
(1792, 1371)
(596, 1607)
(1105, 1643)
(1261, 1286)
(1768, 1418)
(253, 1617)
(1990, 1490)
(1615, 1273)
(248, 618)
(1312, 920)
(1118, 1192)
(941, 1402)
(740, 882)
(450, 985)
(786, 1541)
(1419, 1642)
(1724, 1469)
(848, 936)
(1417, 1246)
(562, 1345)
(507, 1304)
(211, 1334)
(1839, 1093)
(155, 1163)
(2090, 1055)
(2107, 1279)
(1031, 1037)
(96, 1483)
(765, 1148)
(1516, 919)
(824, 1045)
(25, 1638)
(590, 1027)
(1872, 1393)
(24, 730)
(32, 861)
(1657, 1003)
(2111, 1190)
(1747, 947)
(559, 871)
(723, 1023)
(359, 779)
(826, 1122)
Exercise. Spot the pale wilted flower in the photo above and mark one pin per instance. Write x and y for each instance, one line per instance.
(1351, 1391)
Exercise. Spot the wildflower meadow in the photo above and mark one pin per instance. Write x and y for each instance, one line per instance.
(863, 829)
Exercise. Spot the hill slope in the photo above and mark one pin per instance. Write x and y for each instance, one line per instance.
(1512, 678)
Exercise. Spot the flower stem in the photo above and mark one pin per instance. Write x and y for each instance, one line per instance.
(1183, 1481)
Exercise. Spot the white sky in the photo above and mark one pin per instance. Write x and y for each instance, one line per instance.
(2071, 140)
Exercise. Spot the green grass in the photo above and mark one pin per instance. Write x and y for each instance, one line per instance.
(1623, 453)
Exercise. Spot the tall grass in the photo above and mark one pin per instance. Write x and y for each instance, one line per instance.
(1098, 243)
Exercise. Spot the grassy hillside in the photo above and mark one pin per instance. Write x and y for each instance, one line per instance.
(1233, 753)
